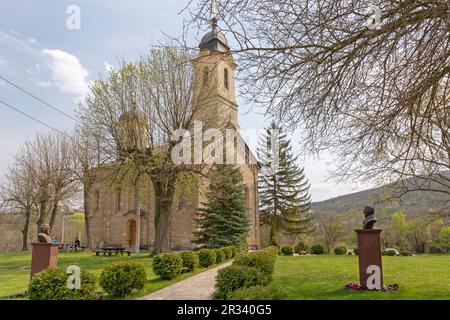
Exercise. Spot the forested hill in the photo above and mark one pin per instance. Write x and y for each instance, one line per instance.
(350, 207)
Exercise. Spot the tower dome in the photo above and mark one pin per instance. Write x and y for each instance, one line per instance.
(132, 135)
(214, 40)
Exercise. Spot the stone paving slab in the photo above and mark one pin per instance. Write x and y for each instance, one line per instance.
(198, 287)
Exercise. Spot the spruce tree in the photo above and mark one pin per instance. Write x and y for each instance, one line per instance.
(283, 188)
(223, 220)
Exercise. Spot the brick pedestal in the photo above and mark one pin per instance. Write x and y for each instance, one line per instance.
(369, 253)
(44, 256)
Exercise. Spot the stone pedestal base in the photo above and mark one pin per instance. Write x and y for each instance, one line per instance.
(44, 256)
(369, 253)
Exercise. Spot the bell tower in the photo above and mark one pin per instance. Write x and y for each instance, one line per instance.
(215, 69)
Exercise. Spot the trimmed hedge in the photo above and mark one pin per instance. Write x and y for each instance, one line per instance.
(260, 260)
(190, 260)
(51, 284)
(340, 250)
(233, 251)
(167, 265)
(318, 249)
(388, 253)
(270, 292)
(287, 250)
(228, 252)
(272, 251)
(301, 247)
(220, 255)
(207, 257)
(235, 277)
(119, 279)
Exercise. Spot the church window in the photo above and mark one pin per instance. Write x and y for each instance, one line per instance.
(247, 154)
(119, 199)
(97, 200)
(205, 75)
(182, 203)
(225, 78)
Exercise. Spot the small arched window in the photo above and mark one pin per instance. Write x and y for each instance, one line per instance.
(97, 200)
(205, 75)
(119, 199)
(225, 78)
(182, 203)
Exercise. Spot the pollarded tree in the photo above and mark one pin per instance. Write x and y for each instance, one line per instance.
(135, 113)
(224, 218)
(283, 188)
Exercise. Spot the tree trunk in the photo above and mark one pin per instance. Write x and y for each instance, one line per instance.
(137, 208)
(162, 226)
(42, 214)
(164, 191)
(87, 218)
(62, 227)
(53, 215)
(25, 229)
(273, 241)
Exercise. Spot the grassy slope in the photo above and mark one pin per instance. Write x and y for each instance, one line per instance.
(324, 277)
(15, 272)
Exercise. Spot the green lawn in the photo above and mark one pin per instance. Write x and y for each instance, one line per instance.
(15, 270)
(324, 277)
(319, 277)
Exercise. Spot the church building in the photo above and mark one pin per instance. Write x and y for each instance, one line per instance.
(113, 218)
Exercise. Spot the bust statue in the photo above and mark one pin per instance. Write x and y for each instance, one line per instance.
(44, 235)
(369, 214)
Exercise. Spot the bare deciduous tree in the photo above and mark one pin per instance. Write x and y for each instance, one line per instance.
(17, 196)
(48, 160)
(371, 86)
(87, 157)
(332, 231)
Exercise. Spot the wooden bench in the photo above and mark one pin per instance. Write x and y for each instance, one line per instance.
(98, 251)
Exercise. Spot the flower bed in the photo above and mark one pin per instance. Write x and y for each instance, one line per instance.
(357, 287)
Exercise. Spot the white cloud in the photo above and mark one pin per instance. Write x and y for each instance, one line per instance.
(32, 40)
(108, 67)
(3, 61)
(67, 72)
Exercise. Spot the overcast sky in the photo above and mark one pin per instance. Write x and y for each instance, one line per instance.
(39, 53)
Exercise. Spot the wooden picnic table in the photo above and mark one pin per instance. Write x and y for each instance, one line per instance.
(110, 250)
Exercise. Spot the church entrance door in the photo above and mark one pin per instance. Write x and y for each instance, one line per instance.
(132, 233)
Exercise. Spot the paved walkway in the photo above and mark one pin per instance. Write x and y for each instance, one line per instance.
(198, 287)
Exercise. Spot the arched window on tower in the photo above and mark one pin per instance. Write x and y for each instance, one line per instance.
(205, 75)
(225, 78)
